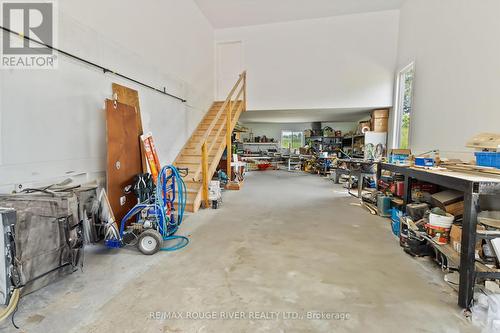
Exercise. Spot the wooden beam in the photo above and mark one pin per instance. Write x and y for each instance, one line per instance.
(228, 139)
(204, 171)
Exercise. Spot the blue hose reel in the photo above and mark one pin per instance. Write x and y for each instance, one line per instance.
(157, 219)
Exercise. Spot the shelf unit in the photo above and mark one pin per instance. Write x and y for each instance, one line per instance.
(259, 147)
(472, 186)
(353, 145)
(333, 143)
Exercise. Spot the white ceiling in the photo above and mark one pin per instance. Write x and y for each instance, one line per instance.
(304, 116)
(233, 13)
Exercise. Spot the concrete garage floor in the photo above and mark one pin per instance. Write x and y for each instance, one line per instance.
(288, 243)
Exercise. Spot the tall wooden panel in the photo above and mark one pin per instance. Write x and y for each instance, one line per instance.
(130, 97)
(124, 155)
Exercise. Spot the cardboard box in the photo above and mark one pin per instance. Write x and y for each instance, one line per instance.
(400, 152)
(456, 238)
(456, 209)
(234, 186)
(380, 120)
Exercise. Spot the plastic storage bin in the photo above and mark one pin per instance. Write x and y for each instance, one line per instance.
(488, 159)
(424, 162)
(395, 221)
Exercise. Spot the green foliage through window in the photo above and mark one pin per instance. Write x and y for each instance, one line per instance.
(407, 77)
(292, 140)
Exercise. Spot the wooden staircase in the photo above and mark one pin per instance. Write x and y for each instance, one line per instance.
(202, 152)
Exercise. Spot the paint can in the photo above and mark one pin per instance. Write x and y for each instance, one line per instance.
(400, 188)
(438, 234)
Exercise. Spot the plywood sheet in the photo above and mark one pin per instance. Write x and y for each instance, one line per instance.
(124, 155)
(130, 97)
(485, 141)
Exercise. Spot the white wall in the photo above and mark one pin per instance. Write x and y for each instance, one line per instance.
(454, 44)
(52, 122)
(337, 62)
(273, 130)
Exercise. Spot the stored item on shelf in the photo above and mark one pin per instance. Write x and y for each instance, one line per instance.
(425, 187)
(456, 209)
(396, 216)
(426, 162)
(380, 120)
(485, 141)
(456, 237)
(403, 231)
(328, 131)
(384, 205)
(489, 218)
(375, 146)
(399, 156)
(399, 188)
(440, 235)
(436, 220)
(488, 159)
(363, 127)
(446, 198)
(417, 210)
(418, 247)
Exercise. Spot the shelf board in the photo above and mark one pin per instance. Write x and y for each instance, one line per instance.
(350, 137)
(454, 256)
(261, 143)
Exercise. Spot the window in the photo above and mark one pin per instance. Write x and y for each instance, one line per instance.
(404, 100)
(292, 139)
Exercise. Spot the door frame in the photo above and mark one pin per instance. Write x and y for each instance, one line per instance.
(217, 44)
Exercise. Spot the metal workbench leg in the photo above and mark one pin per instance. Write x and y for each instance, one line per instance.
(378, 175)
(361, 179)
(467, 255)
(407, 196)
(337, 177)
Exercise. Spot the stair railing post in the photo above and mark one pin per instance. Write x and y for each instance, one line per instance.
(228, 138)
(204, 172)
(244, 91)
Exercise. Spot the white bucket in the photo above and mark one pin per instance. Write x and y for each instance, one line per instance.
(441, 221)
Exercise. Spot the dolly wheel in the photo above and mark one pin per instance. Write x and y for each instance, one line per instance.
(149, 242)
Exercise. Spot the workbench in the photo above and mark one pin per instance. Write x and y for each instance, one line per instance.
(473, 186)
(359, 168)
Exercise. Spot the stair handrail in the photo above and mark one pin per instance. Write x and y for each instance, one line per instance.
(205, 151)
(210, 128)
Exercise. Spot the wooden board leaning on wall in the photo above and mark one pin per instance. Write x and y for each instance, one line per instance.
(124, 155)
(130, 97)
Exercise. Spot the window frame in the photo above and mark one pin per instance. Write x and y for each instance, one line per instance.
(398, 104)
(293, 132)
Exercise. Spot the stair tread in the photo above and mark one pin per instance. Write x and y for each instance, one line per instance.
(190, 155)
